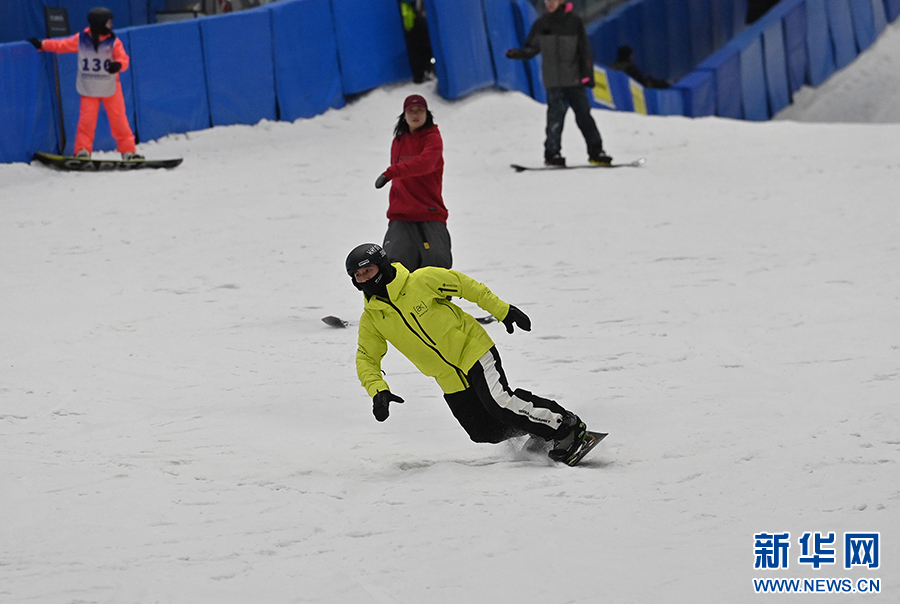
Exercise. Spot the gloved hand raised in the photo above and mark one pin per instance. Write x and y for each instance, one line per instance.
(114, 66)
(381, 181)
(380, 404)
(518, 318)
(35, 42)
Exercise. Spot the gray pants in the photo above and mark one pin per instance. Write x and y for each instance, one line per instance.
(418, 244)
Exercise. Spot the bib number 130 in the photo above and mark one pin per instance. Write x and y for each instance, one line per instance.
(94, 65)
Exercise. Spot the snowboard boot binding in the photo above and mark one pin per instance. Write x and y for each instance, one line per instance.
(600, 158)
(554, 159)
(574, 433)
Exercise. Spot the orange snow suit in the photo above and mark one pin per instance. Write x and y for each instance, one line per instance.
(96, 85)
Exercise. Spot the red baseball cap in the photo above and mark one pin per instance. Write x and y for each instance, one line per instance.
(414, 100)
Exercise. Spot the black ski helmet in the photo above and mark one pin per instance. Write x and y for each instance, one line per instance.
(365, 255)
(97, 19)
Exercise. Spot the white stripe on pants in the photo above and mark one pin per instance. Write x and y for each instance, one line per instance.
(508, 400)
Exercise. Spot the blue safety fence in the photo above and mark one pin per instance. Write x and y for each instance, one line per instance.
(370, 43)
(298, 58)
(503, 35)
(23, 19)
(237, 54)
(462, 51)
(797, 42)
(307, 71)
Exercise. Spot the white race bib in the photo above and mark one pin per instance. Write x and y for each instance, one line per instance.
(94, 78)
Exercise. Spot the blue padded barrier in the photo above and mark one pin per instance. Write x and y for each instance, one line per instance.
(460, 45)
(724, 21)
(794, 24)
(667, 101)
(879, 16)
(864, 22)
(373, 55)
(619, 85)
(656, 38)
(776, 65)
(16, 23)
(680, 53)
(891, 9)
(700, 28)
(753, 80)
(840, 22)
(22, 19)
(739, 16)
(604, 39)
(169, 79)
(27, 125)
(725, 68)
(630, 33)
(307, 72)
(240, 72)
(525, 16)
(501, 28)
(699, 93)
(818, 43)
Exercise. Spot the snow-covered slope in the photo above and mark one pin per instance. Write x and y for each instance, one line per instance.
(177, 425)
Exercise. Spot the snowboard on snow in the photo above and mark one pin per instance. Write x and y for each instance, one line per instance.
(591, 440)
(632, 164)
(538, 446)
(333, 321)
(339, 323)
(86, 164)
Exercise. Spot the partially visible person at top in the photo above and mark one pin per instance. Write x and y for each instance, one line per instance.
(417, 232)
(412, 312)
(418, 44)
(101, 56)
(625, 63)
(567, 71)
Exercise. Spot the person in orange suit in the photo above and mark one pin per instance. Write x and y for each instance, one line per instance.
(101, 56)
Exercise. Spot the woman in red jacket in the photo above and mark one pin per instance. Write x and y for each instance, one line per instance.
(417, 233)
(101, 56)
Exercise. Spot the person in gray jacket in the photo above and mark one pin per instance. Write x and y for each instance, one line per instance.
(568, 68)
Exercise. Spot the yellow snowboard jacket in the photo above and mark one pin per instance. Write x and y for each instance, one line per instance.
(441, 340)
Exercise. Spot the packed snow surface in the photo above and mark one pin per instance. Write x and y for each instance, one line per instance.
(177, 425)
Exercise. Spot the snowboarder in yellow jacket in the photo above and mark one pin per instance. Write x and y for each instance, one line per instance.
(414, 313)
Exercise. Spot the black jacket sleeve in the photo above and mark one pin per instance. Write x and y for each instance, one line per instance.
(532, 45)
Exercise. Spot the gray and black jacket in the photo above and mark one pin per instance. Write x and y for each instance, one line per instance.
(561, 39)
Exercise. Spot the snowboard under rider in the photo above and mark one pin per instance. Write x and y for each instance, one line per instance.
(412, 311)
(101, 56)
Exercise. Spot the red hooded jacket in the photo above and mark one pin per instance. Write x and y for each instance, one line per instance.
(416, 175)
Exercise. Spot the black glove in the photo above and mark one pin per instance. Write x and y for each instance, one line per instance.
(518, 318)
(35, 42)
(380, 404)
(114, 66)
(381, 181)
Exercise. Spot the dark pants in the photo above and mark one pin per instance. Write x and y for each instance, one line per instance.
(491, 412)
(558, 102)
(418, 244)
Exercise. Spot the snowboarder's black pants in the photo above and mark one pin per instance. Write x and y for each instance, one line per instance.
(489, 411)
(558, 102)
(418, 244)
